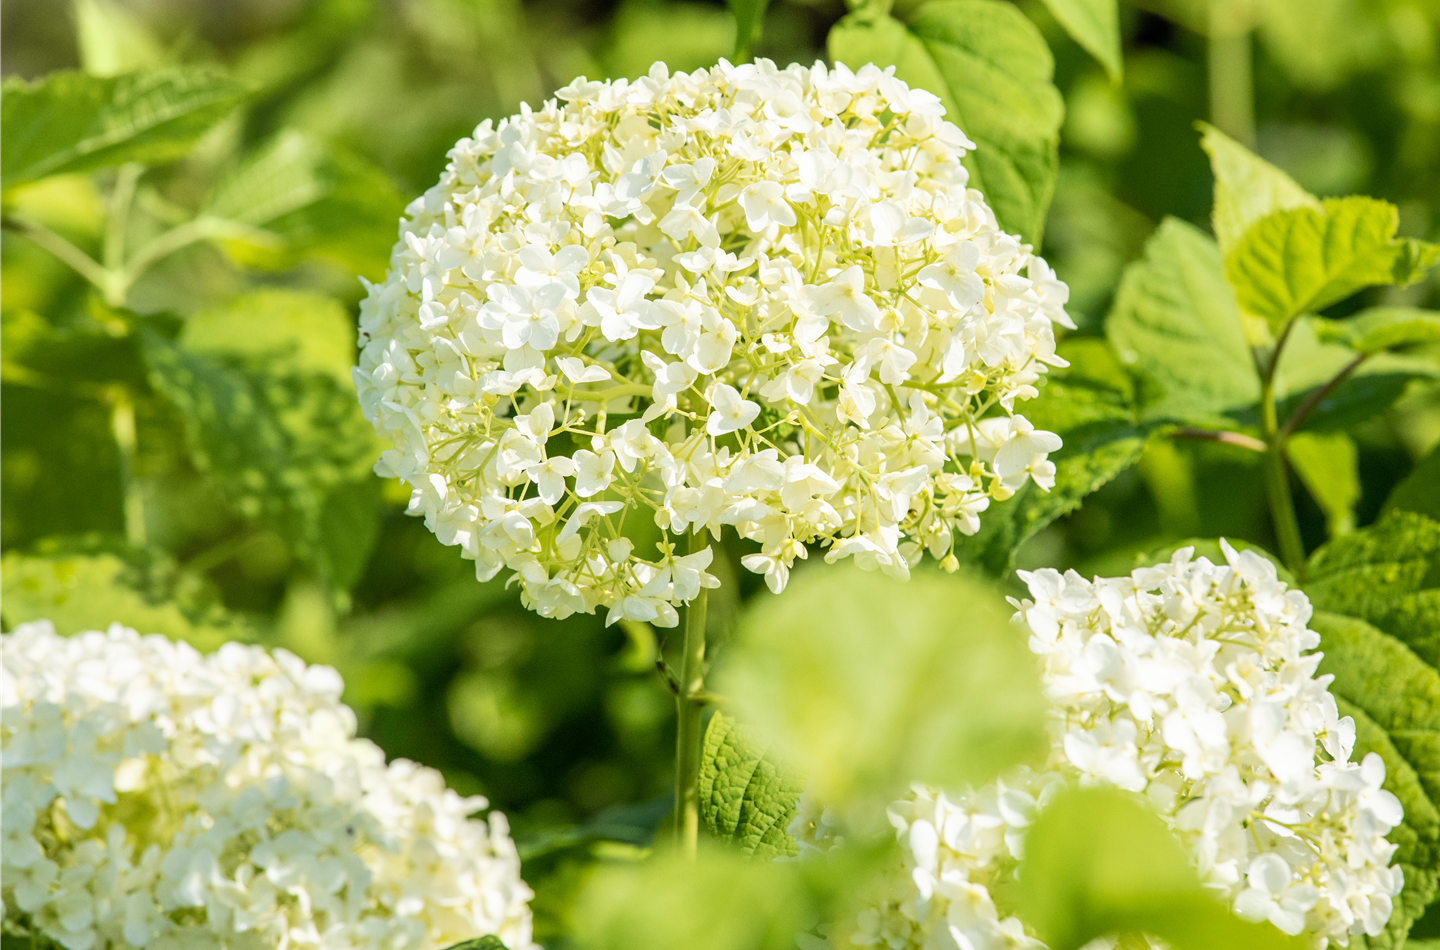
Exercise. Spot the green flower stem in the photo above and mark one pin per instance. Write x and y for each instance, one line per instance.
(122, 427)
(1232, 87)
(689, 700)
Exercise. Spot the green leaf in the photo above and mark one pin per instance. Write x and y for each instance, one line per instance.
(1092, 409)
(1381, 328)
(1418, 492)
(1303, 259)
(722, 901)
(112, 39)
(1095, 25)
(990, 66)
(745, 798)
(71, 122)
(1415, 260)
(268, 413)
(1329, 466)
(1247, 188)
(305, 198)
(1387, 575)
(83, 584)
(1417, 839)
(1176, 323)
(487, 942)
(749, 18)
(867, 683)
(1098, 861)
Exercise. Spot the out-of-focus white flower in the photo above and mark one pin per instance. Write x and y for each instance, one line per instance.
(687, 272)
(154, 797)
(1193, 684)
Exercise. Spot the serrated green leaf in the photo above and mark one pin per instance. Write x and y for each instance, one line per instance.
(1095, 25)
(867, 683)
(1099, 861)
(1329, 466)
(1303, 259)
(268, 416)
(745, 798)
(83, 584)
(487, 942)
(1414, 261)
(1381, 328)
(1417, 839)
(1388, 575)
(1418, 492)
(749, 17)
(72, 122)
(991, 68)
(1176, 323)
(304, 197)
(1247, 188)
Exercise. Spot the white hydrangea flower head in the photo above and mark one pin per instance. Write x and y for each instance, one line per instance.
(1194, 684)
(745, 296)
(157, 798)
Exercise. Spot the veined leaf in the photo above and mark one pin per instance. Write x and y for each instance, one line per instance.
(306, 198)
(1381, 328)
(266, 414)
(867, 683)
(80, 584)
(1098, 862)
(1388, 575)
(991, 68)
(745, 798)
(1418, 492)
(1329, 466)
(1247, 188)
(1303, 259)
(1175, 321)
(71, 122)
(1095, 25)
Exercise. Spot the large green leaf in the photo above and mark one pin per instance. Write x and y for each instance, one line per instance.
(1382, 328)
(1418, 491)
(1329, 466)
(867, 683)
(85, 584)
(1303, 259)
(1099, 862)
(1176, 323)
(304, 197)
(1388, 575)
(269, 414)
(1247, 188)
(992, 69)
(1091, 407)
(71, 122)
(745, 798)
(1095, 25)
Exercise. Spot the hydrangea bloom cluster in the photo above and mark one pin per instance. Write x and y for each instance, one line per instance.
(743, 296)
(154, 797)
(1193, 684)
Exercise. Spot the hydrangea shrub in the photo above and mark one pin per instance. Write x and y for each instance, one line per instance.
(745, 296)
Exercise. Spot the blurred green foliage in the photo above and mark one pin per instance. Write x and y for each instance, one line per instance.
(182, 450)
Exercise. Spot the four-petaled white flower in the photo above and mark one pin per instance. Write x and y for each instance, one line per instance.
(731, 412)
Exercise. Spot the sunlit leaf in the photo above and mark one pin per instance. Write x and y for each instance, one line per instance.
(303, 197)
(1095, 25)
(745, 797)
(1304, 259)
(1176, 323)
(1329, 466)
(71, 122)
(868, 683)
(1382, 328)
(1099, 862)
(86, 584)
(1247, 188)
(992, 69)
(112, 39)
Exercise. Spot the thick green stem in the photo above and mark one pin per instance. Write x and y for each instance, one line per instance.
(1277, 481)
(122, 427)
(689, 700)
(1232, 87)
